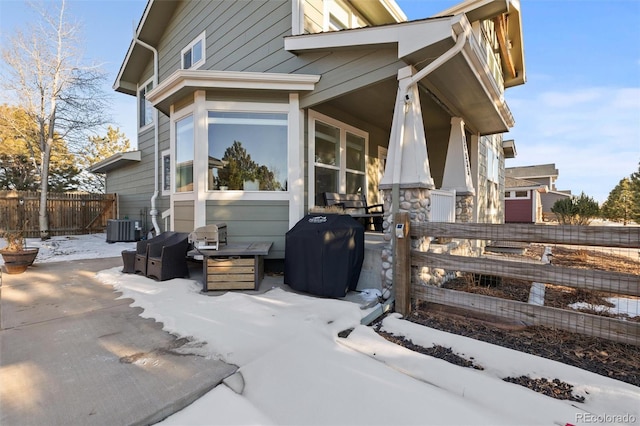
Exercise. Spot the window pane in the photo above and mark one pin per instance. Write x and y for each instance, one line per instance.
(145, 110)
(355, 152)
(355, 183)
(247, 151)
(197, 52)
(327, 144)
(186, 60)
(326, 181)
(166, 173)
(184, 154)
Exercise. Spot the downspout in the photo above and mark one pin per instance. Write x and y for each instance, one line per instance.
(156, 136)
(395, 187)
(462, 38)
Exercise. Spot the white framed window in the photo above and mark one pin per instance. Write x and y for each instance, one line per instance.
(184, 142)
(338, 153)
(338, 15)
(247, 150)
(493, 164)
(193, 56)
(145, 110)
(521, 194)
(166, 172)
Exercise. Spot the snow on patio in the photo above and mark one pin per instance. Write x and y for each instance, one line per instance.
(296, 370)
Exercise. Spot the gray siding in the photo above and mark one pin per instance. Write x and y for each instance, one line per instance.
(240, 35)
(252, 221)
(184, 214)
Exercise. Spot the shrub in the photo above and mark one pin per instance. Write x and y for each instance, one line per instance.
(576, 210)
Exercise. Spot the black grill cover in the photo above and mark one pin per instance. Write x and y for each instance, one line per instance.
(324, 254)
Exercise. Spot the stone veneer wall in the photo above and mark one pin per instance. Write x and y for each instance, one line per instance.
(417, 202)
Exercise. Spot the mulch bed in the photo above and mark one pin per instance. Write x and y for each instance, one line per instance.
(611, 359)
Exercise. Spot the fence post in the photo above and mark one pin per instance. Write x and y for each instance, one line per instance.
(402, 267)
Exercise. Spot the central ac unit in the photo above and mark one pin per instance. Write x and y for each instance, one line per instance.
(121, 230)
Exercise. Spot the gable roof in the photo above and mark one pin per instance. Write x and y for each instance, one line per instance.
(537, 171)
(508, 22)
(511, 183)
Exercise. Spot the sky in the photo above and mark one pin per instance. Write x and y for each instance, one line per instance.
(580, 107)
(294, 369)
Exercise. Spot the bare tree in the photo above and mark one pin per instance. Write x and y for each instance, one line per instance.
(63, 97)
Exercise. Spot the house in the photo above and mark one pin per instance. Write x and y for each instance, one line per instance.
(249, 110)
(542, 174)
(522, 200)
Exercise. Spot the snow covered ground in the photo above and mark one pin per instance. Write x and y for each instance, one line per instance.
(295, 370)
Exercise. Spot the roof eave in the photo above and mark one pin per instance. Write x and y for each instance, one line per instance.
(116, 161)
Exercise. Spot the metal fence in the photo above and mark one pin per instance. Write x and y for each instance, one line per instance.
(69, 213)
(583, 279)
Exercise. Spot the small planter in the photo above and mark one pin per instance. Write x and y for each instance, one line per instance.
(16, 262)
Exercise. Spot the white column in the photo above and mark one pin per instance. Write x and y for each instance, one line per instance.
(200, 159)
(295, 139)
(457, 170)
(407, 161)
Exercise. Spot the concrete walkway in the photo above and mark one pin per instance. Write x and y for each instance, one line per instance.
(71, 354)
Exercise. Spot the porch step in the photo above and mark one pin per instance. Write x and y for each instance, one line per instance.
(370, 275)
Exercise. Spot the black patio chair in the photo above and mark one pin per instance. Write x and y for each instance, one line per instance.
(167, 259)
(142, 251)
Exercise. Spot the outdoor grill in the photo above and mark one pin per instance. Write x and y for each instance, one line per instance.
(324, 255)
(209, 237)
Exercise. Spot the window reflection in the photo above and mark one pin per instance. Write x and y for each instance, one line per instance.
(247, 151)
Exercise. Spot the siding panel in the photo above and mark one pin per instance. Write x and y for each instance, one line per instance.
(253, 221)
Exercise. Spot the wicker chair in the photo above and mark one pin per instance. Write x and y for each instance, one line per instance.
(168, 259)
(142, 251)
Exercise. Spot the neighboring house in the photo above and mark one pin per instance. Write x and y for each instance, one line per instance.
(543, 174)
(249, 110)
(522, 200)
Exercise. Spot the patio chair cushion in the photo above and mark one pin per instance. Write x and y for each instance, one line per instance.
(167, 259)
(142, 248)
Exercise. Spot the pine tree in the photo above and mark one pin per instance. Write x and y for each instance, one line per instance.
(100, 148)
(20, 156)
(623, 202)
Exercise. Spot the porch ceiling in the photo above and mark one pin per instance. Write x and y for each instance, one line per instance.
(462, 85)
(375, 104)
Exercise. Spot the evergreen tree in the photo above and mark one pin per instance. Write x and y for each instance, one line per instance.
(576, 210)
(20, 157)
(623, 202)
(100, 148)
(240, 167)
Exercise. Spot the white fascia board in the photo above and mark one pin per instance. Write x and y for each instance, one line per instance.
(408, 36)
(115, 161)
(207, 79)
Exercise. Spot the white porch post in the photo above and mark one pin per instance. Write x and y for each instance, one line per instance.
(407, 181)
(407, 161)
(457, 170)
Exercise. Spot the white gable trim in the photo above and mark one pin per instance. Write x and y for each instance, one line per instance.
(207, 79)
(408, 36)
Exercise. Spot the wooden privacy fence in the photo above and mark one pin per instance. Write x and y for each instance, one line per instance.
(581, 238)
(69, 213)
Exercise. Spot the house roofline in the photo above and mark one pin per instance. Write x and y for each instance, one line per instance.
(116, 161)
(183, 82)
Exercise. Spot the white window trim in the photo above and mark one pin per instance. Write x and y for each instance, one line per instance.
(143, 127)
(195, 65)
(353, 16)
(344, 128)
(512, 194)
(183, 113)
(266, 107)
